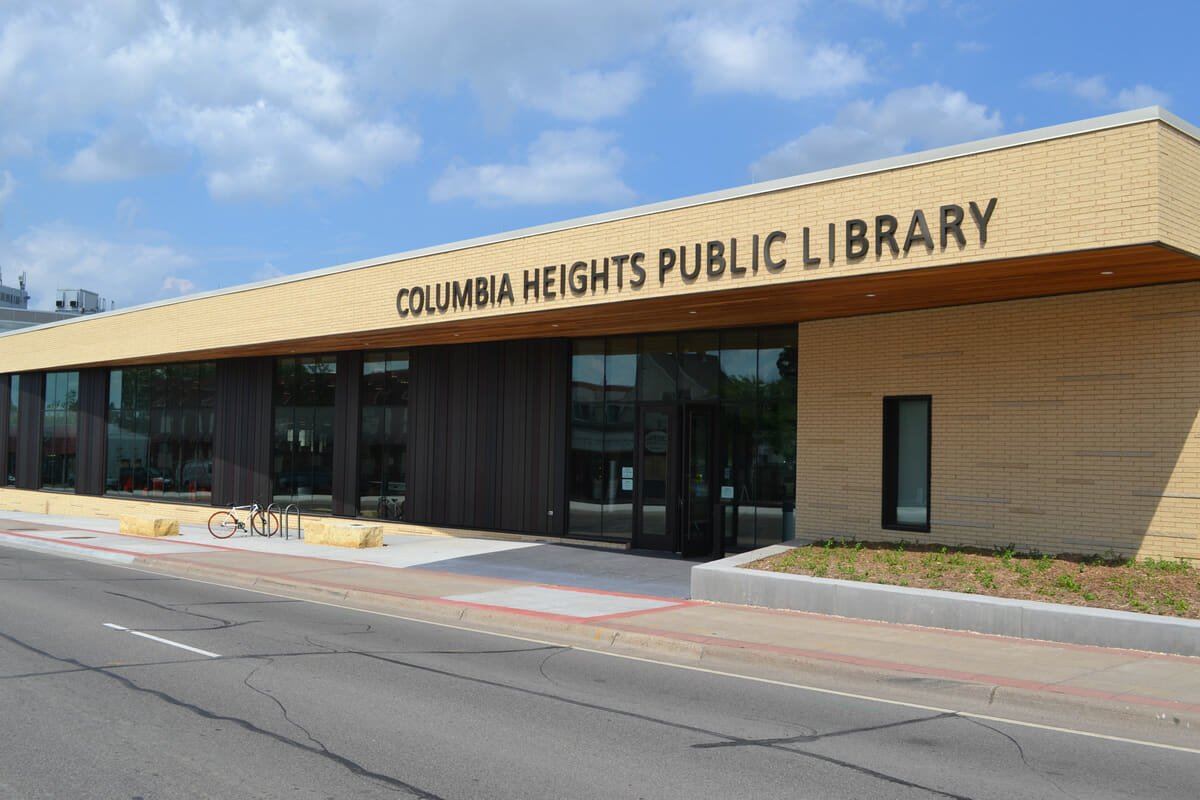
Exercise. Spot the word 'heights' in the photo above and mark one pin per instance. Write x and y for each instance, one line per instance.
(713, 260)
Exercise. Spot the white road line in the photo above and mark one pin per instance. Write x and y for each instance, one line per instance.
(719, 673)
(161, 640)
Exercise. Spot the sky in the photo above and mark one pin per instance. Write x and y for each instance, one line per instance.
(156, 148)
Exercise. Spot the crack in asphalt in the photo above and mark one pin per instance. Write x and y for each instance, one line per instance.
(222, 623)
(858, 768)
(816, 737)
(353, 766)
(282, 708)
(1021, 752)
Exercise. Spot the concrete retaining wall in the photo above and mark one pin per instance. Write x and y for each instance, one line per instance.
(724, 581)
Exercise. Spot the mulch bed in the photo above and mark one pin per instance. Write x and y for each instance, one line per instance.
(1153, 586)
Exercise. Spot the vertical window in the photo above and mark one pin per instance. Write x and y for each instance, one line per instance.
(906, 461)
(14, 394)
(383, 437)
(302, 447)
(160, 426)
(60, 424)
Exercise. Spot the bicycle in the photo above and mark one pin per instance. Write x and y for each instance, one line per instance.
(223, 524)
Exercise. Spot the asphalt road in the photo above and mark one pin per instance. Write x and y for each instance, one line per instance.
(300, 700)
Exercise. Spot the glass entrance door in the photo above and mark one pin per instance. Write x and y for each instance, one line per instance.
(656, 497)
(698, 527)
(673, 502)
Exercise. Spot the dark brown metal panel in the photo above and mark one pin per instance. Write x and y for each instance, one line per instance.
(29, 430)
(458, 382)
(488, 435)
(92, 433)
(560, 419)
(242, 425)
(512, 441)
(420, 396)
(486, 411)
(346, 423)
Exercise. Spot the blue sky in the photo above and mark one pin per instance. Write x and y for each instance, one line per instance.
(152, 149)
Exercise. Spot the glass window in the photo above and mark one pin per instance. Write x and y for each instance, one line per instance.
(587, 371)
(14, 396)
(739, 366)
(383, 435)
(302, 441)
(160, 432)
(656, 374)
(906, 460)
(699, 366)
(60, 424)
(620, 370)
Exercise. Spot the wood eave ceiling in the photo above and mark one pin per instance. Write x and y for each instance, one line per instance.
(779, 303)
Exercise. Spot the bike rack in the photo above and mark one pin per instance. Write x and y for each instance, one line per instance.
(271, 507)
(287, 515)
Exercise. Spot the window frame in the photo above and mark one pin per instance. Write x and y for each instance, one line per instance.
(890, 485)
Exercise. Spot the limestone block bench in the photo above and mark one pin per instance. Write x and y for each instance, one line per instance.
(148, 526)
(343, 534)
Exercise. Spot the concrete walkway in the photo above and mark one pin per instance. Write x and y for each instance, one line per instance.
(637, 605)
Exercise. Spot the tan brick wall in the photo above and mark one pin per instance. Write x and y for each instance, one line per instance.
(1079, 192)
(1064, 424)
(1179, 187)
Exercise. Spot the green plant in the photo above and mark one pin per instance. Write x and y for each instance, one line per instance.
(1166, 565)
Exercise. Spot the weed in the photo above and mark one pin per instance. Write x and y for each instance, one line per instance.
(1068, 582)
(1166, 565)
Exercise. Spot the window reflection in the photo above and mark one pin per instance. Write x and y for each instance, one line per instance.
(302, 441)
(160, 426)
(60, 425)
(383, 437)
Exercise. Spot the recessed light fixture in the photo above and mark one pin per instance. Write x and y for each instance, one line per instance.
(1107, 272)
(553, 324)
(870, 294)
(691, 312)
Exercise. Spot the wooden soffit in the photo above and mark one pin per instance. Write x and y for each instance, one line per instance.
(784, 303)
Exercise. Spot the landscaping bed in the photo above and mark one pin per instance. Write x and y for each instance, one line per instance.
(1153, 586)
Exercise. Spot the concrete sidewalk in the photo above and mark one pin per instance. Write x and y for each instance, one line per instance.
(636, 605)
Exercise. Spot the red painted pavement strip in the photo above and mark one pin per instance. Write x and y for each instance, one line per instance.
(896, 666)
(164, 539)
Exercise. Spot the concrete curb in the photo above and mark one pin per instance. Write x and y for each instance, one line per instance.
(726, 582)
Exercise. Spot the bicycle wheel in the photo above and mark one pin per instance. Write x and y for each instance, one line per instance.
(222, 524)
(265, 524)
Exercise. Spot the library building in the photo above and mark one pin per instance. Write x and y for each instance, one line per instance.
(988, 344)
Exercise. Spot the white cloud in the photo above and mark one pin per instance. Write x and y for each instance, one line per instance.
(120, 155)
(1094, 89)
(58, 256)
(260, 151)
(762, 53)
(144, 81)
(178, 285)
(907, 119)
(580, 166)
(585, 96)
(128, 211)
(896, 10)
(267, 271)
(8, 187)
